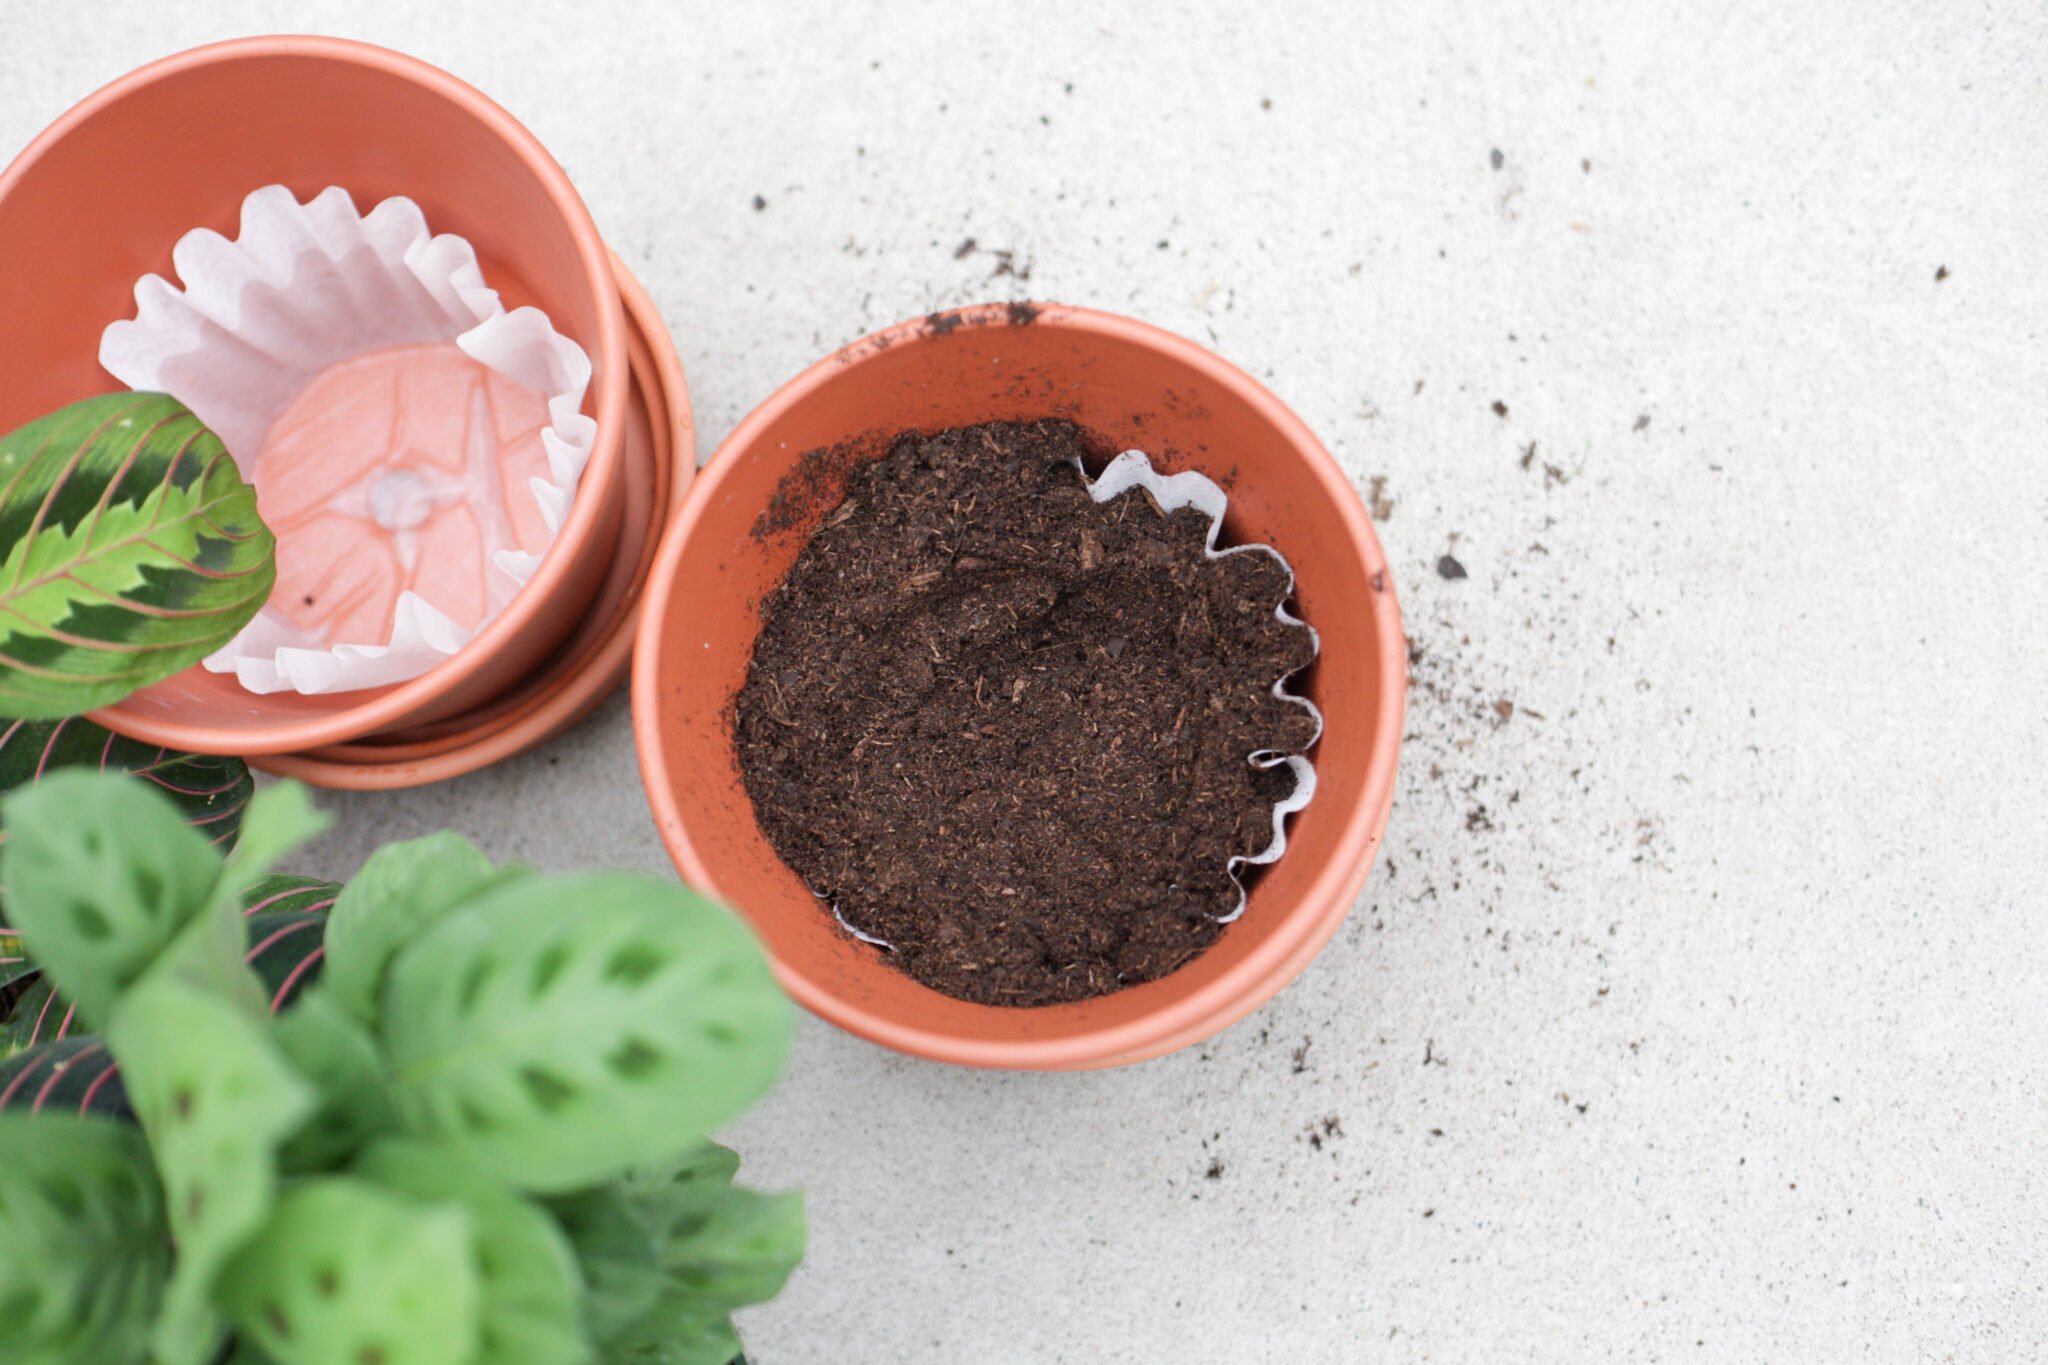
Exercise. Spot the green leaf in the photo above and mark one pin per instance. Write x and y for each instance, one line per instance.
(210, 952)
(104, 874)
(669, 1254)
(217, 1098)
(74, 1075)
(347, 1272)
(284, 935)
(558, 1031)
(14, 959)
(334, 1051)
(675, 1335)
(738, 1247)
(83, 1246)
(527, 1269)
(130, 549)
(40, 1016)
(287, 893)
(210, 792)
(621, 1277)
(287, 921)
(722, 1247)
(400, 891)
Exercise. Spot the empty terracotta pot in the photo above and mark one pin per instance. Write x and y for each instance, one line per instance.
(98, 200)
(1133, 386)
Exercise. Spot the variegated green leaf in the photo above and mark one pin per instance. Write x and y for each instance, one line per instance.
(83, 1251)
(130, 548)
(526, 1268)
(400, 891)
(217, 1097)
(210, 792)
(106, 875)
(347, 1272)
(560, 1031)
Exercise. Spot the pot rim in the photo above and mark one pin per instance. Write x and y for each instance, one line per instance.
(1179, 1021)
(389, 707)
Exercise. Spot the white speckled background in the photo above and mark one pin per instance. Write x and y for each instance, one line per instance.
(1699, 1010)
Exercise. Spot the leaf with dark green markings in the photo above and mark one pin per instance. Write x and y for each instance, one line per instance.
(83, 1244)
(217, 1098)
(559, 1031)
(526, 1270)
(211, 951)
(105, 874)
(286, 917)
(75, 1075)
(400, 891)
(211, 792)
(346, 1272)
(130, 548)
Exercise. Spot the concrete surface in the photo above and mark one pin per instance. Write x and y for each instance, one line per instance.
(1699, 1009)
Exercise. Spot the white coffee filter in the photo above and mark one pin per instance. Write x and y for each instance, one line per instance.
(306, 287)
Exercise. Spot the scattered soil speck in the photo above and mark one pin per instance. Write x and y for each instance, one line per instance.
(1265, 104)
(1496, 158)
(1301, 1056)
(1215, 1171)
(1021, 314)
(1505, 709)
(1449, 568)
(1529, 455)
(1940, 273)
(1006, 264)
(1500, 409)
(966, 248)
(1586, 165)
(1381, 506)
(942, 324)
(759, 203)
(1642, 423)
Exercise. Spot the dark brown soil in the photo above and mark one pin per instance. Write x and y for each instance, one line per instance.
(1007, 729)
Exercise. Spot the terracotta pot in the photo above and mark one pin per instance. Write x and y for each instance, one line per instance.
(1135, 386)
(98, 200)
(660, 460)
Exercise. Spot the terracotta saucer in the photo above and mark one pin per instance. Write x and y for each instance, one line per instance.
(660, 461)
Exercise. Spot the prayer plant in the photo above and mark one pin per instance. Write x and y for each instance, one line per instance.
(447, 1114)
